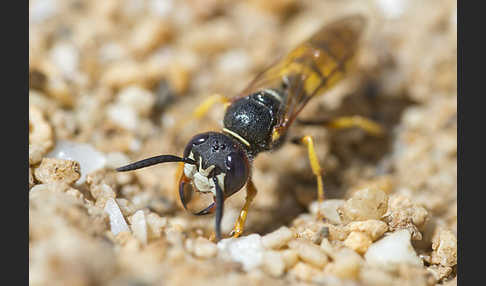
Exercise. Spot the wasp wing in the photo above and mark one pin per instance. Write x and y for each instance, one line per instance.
(311, 68)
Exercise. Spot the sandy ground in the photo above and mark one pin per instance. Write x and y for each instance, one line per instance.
(110, 82)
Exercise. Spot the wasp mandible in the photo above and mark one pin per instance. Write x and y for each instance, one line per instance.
(258, 119)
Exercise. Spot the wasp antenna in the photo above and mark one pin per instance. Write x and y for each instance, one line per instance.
(154, 160)
(219, 208)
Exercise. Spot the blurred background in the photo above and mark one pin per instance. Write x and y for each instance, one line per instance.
(110, 81)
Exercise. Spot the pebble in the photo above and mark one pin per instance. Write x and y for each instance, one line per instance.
(117, 221)
(88, 157)
(309, 252)
(273, 263)
(365, 204)
(444, 245)
(248, 250)
(290, 257)
(329, 209)
(139, 226)
(56, 170)
(391, 250)
(346, 264)
(277, 238)
(204, 248)
(374, 228)
(358, 241)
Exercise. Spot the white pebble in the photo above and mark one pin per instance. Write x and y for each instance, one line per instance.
(328, 209)
(41, 10)
(88, 158)
(278, 238)
(273, 263)
(139, 99)
(66, 57)
(393, 249)
(139, 226)
(124, 116)
(248, 250)
(117, 221)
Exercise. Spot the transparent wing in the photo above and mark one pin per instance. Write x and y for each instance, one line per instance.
(311, 68)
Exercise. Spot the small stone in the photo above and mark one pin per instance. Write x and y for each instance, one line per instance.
(117, 221)
(290, 258)
(40, 132)
(358, 241)
(278, 238)
(309, 252)
(155, 225)
(204, 248)
(35, 154)
(89, 158)
(247, 250)
(392, 250)
(56, 170)
(138, 98)
(374, 228)
(139, 226)
(304, 272)
(149, 34)
(273, 263)
(329, 209)
(440, 272)
(364, 204)
(376, 276)
(444, 245)
(346, 264)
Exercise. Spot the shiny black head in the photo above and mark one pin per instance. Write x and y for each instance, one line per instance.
(229, 159)
(213, 163)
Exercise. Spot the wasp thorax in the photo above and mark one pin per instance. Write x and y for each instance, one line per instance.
(217, 155)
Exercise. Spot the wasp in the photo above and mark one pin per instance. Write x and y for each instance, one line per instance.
(258, 120)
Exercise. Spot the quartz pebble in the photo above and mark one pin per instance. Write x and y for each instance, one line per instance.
(358, 241)
(309, 252)
(248, 250)
(346, 264)
(278, 238)
(374, 228)
(139, 226)
(329, 209)
(365, 204)
(204, 248)
(57, 170)
(392, 250)
(290, 257)
(88, 157)
(273, 263)
(117, 221)
(444, 245)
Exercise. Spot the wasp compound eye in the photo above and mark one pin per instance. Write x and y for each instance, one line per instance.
(237, 171)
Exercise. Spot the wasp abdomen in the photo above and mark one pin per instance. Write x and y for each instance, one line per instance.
(253, 118)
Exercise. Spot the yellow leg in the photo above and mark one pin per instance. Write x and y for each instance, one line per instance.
(203, 108)
(240, 222)
(356, 121)
(316, 168)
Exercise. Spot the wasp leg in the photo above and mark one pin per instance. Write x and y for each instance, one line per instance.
(203, 108)
(206, 105)
(364, 123)
(316, 167)
(251, 192)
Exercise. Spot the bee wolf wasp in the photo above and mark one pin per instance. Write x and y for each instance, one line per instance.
(257, 120)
